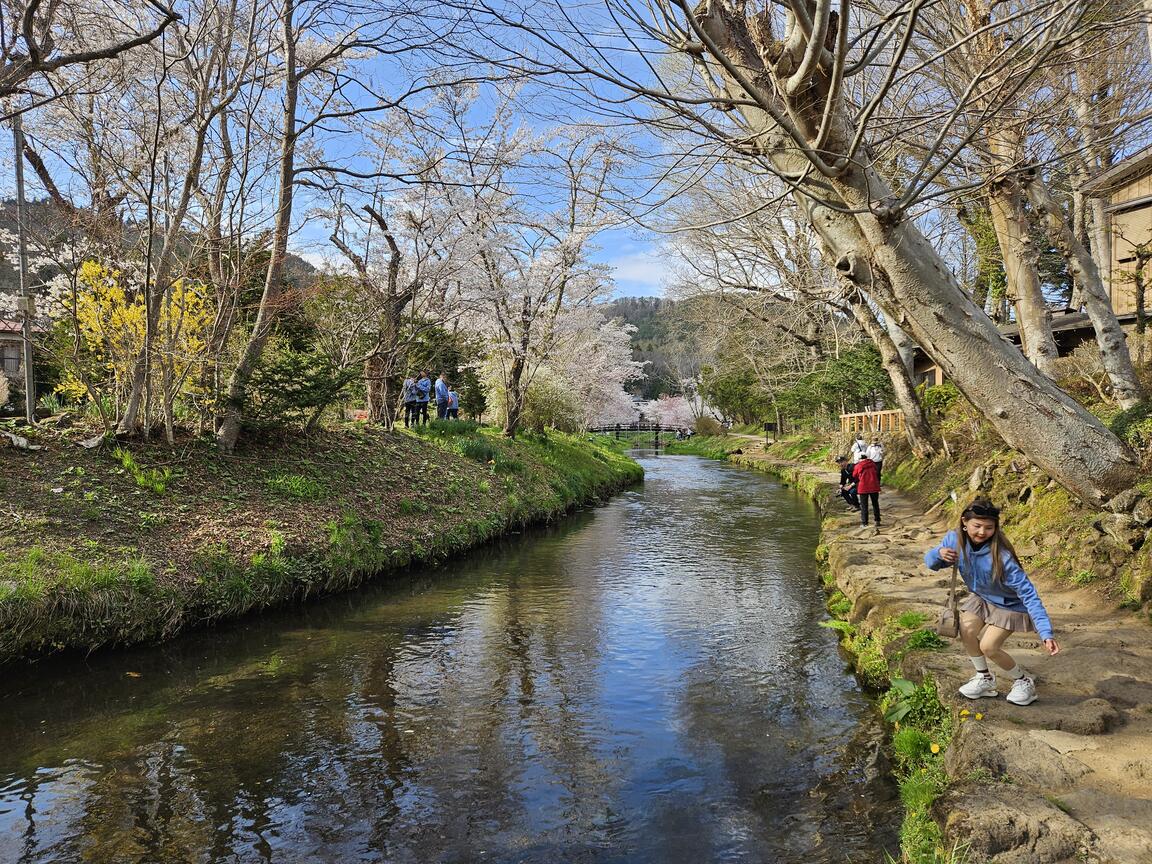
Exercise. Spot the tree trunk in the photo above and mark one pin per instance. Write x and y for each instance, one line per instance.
(237, 391)
(916, 427)
(1032, 316)
(515, 397)
(1109, 337)
(904, 345)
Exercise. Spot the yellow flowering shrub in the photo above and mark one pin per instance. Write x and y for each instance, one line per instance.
(112, 322)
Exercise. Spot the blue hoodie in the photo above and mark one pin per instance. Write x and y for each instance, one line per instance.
(1016, 593)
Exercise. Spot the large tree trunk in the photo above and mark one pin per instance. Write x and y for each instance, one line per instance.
(916, 427)
(1020, 255)
(514, 396)
(1109, 337)
(883, 253)
(237, 391)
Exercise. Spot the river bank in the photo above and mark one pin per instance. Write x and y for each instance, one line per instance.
(1065, 779)
(121, 545)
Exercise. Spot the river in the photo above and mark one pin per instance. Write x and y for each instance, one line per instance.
(645, 682)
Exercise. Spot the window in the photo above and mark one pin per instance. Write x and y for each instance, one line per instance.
(10, 357)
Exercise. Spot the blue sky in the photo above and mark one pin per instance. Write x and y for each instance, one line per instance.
(638, 265)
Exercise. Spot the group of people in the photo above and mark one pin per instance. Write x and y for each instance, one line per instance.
(417, 393)
(860, 477)
(1001, 598)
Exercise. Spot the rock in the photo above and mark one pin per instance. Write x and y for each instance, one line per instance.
(1027, 549)
(20, 442)
(1122, 528)
(1142, 512)
(1125, 691)
(1125, 501)
(1024, 494)
(1090, 717)
(1009, 825)
(1017, 757)
(978, 479)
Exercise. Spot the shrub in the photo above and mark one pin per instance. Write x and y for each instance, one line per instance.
(478, 449)
(152, 479)
(708, 426)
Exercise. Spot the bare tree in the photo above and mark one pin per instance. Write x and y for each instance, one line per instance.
(774, 83)
(37, 39)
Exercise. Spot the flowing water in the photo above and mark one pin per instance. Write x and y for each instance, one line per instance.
(646, 682)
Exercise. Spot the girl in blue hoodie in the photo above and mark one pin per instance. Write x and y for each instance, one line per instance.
(1003, 601)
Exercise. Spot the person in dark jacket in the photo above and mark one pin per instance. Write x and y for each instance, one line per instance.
(847, 483)
(867, 487)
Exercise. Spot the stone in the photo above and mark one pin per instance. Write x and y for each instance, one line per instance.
(1125, 501)
(1024, 494)
(1142, 512)
(1016, 757)
(1090, 717)
(1122, 529)
(978, 479)
(1125, 691)
(1010, 825)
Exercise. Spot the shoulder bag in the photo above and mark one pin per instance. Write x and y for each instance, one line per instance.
(948, 624)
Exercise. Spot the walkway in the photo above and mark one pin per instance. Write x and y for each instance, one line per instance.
(1068, 778)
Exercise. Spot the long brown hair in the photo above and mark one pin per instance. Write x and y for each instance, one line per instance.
(982, 508)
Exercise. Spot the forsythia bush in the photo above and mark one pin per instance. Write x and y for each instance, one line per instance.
(111, 321)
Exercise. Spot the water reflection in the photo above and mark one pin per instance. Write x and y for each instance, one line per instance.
(646, 683)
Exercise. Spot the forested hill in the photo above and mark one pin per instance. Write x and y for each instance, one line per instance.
(661, 339)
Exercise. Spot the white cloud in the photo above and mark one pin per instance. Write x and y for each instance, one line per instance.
(639, 273)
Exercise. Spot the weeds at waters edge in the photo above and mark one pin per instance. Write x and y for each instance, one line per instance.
(920, 724)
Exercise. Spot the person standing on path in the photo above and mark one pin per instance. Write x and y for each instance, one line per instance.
(867, 488)
(847, 483)
(859, 448)
(408, 395)
(1003, 601)
(875, 452)
(423, 395)
(453, 405)
(442, 398)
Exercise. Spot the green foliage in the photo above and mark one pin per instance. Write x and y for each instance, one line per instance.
(910, 746)
(925, 640)
(1134, 425)
(854, 379)
(153, 479)
(734, 391)
(709, 426)
(292, 385)
(908, 620)
(296, 486)
(938, 399)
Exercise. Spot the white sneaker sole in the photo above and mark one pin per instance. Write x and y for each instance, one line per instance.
(1018, 702)
(986, 694)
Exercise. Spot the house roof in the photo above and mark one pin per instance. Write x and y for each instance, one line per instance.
(1124, 171)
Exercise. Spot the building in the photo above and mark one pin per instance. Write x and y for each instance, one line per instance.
(11, 348)
(1126, 188)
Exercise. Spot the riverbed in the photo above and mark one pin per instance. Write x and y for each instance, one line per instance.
(645, 682)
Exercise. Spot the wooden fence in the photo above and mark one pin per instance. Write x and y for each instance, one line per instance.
(872, 421)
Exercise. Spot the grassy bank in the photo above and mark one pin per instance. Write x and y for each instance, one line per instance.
(123, 545)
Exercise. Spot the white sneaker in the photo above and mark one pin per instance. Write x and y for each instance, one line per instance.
(1023, 691)
(980, 684)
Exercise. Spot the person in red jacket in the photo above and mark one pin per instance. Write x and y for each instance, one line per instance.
(867, 488)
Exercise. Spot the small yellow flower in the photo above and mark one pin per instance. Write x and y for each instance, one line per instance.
(964, 712)
(979, 716)
(935, 748)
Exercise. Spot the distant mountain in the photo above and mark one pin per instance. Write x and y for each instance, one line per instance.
(661, 339)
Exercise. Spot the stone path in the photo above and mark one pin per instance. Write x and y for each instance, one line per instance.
(1066, 779)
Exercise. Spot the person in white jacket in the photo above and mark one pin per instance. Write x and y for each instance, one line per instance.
(859, 448)
(875, 452)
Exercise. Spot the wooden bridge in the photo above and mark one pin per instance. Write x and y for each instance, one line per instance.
(656, 429)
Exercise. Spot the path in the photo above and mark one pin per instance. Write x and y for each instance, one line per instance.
(1066, 779)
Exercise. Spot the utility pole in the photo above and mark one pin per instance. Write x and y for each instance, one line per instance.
(27, 303)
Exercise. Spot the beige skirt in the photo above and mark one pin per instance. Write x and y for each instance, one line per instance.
(998, 616)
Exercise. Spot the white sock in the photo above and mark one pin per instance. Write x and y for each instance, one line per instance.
(981, 663)
(1015, 673)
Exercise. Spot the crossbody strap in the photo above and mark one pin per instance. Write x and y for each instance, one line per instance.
(952, 587)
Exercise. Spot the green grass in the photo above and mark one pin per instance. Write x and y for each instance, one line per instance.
(296, 486)
(709, 446)
(81, 592)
